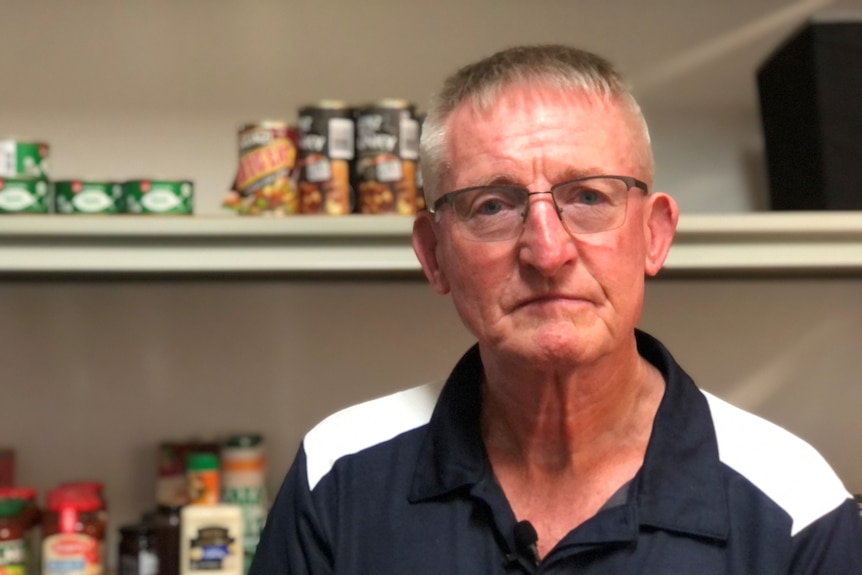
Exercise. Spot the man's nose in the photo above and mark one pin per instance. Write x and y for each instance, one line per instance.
(545, 244)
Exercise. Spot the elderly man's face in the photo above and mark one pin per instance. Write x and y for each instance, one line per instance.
(545, 295)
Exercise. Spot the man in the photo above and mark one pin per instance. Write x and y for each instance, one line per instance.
(565, 441)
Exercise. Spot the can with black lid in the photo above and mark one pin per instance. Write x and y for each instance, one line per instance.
(420, 186)
(387, 148)
(326, 150)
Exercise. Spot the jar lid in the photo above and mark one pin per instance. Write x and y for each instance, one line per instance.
(202, 461)
(136, 529)
(11, 507)
(96, 487)
(27, 493)
(168, 509)
(244, 440)
(67, 497)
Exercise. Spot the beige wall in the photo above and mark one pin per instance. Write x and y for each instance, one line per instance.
(96, 373)
(125, 90)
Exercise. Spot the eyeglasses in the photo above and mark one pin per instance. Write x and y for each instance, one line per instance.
(584, 205)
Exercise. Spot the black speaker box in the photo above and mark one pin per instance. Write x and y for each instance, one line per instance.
(811, 110)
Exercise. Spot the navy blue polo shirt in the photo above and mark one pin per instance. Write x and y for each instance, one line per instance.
(402, 485)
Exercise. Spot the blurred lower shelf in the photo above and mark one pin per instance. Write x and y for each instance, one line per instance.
(756, 244)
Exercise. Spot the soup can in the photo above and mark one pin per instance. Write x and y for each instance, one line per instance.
(387, 149)
(326, 150)
(265, 182)
(420, 187)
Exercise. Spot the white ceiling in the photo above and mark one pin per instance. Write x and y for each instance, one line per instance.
(270, 56)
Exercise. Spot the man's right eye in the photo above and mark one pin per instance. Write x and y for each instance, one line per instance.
(490, 205)
(488, 208)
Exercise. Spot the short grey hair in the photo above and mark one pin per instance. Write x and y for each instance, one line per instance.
(553, 66)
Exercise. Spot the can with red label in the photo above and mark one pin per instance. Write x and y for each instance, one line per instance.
(387, 148)
(265, 182)
(326, 149)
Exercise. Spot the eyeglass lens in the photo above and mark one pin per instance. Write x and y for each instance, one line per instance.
(585, 206)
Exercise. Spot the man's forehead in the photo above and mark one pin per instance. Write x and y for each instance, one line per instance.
(515, 98)
(520, 111)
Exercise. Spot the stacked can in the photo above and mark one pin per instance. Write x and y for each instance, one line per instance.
(24, 185)
(420, 186)
(326, 143)
(387, 149)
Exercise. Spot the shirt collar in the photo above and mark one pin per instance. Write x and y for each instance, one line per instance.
(678, 488)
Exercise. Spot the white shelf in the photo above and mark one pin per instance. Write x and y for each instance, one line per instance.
(809, 243)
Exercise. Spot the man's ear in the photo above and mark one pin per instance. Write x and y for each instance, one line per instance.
(661, 216)
(425, 245)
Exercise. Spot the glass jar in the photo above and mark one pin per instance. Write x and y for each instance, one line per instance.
(32, 520)
(73, 533)
(137, 554)
(13, 543)
(167, 538)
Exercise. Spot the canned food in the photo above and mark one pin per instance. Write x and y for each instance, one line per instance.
(85, 197)
(326, 141)
(420, 186)
(23, 159)
(158, 196)
(23, 196)
(387, 147)
(264, 182)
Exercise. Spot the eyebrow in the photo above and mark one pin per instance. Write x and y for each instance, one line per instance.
(575, 173)
(565, 175)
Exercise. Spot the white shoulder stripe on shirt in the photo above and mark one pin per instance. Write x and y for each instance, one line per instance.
(786, 468)
(366, 424)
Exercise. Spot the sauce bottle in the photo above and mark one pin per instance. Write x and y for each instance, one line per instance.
(211, 540)
(31, 518)
(13, 543)
(73, 533)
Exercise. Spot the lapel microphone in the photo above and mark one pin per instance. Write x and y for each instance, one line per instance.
(525, 542)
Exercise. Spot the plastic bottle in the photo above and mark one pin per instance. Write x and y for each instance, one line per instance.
(211, 540)
(244, 483)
